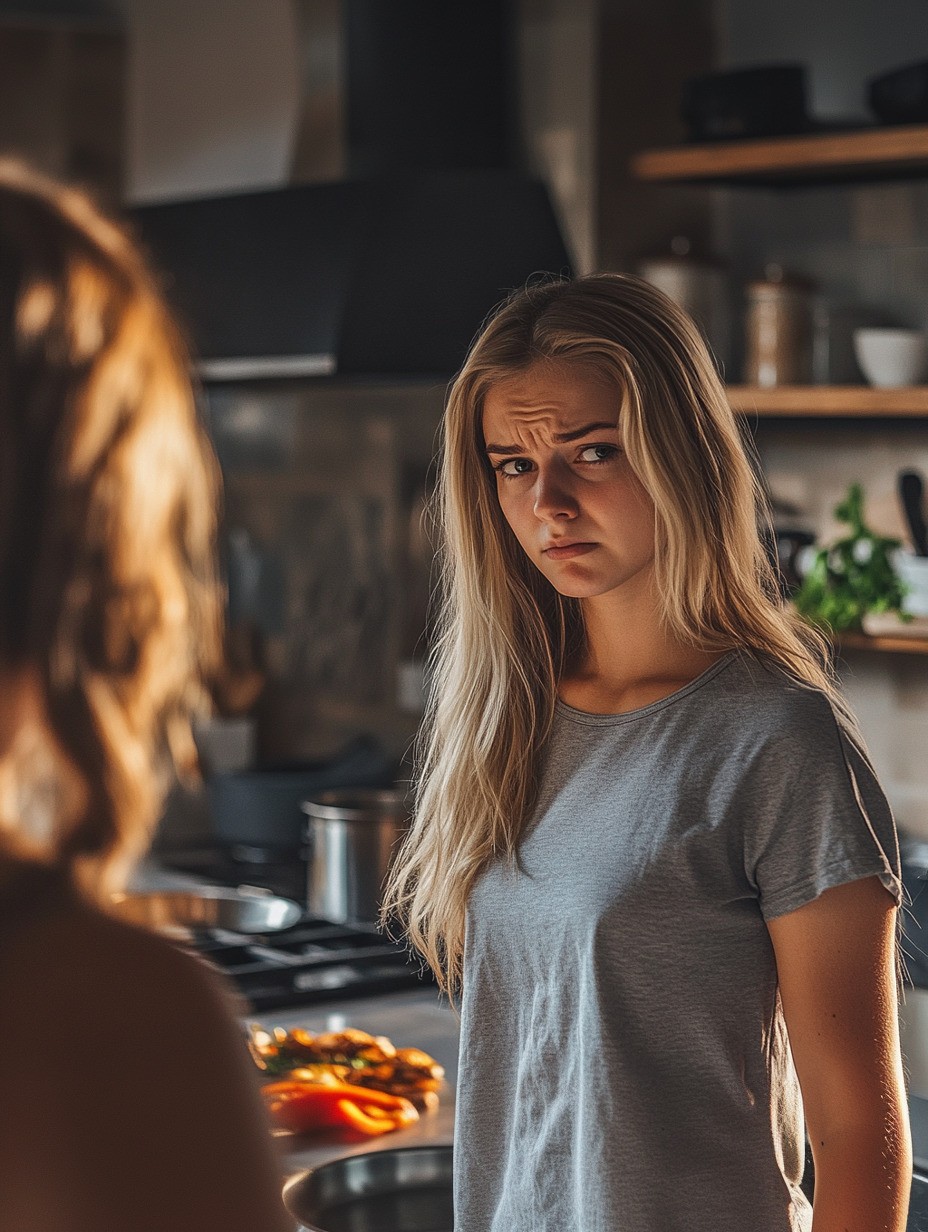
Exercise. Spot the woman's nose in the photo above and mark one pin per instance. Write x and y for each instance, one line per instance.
(553, 497)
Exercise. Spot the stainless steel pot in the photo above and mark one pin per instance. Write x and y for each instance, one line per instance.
(352, 837)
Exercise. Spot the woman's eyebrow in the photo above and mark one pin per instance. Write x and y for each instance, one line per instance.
(560, 437)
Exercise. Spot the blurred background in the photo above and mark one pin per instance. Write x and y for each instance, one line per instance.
(338, 191)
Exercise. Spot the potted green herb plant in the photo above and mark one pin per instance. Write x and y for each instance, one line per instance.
(852, 577)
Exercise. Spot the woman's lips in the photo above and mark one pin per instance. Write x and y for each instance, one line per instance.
(573, 549)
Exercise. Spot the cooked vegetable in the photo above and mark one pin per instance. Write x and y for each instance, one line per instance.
(352, 1056)
(302, 1107)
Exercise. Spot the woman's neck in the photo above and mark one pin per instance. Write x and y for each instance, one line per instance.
(629, 661)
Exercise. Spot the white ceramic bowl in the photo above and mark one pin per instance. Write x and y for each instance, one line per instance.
(891, 357)
(914, 572)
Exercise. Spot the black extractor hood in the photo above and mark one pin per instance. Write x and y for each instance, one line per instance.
(391, 268)
(382, 276)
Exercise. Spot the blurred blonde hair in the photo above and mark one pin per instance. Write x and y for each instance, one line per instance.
(108, 499)
(505, 636)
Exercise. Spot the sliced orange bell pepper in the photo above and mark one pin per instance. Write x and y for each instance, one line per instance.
(304, 1106)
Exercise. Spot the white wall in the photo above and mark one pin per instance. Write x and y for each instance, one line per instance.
(213, 95)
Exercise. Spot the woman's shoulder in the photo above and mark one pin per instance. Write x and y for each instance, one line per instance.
(67, 960)
(136, 1046)
(767, 688)
(761, 704)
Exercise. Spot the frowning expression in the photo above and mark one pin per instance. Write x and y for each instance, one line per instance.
(564, 484)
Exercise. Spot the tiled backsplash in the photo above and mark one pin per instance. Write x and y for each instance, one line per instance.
(322, 483)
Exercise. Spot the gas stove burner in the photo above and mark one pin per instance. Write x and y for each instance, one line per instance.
(314, 961)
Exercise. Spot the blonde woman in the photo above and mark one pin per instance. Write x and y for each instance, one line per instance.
(649, 847)
(125, 1096)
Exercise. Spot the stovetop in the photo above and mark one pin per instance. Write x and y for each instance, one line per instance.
(316, 960)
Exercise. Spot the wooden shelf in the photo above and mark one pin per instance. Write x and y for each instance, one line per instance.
(864, 154)
(895, 645)
(810, 401)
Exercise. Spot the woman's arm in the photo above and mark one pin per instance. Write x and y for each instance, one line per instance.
(836, 966)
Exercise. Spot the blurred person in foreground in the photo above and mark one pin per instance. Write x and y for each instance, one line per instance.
(125, 1089)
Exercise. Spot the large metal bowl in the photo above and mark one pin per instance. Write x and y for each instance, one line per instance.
(179, 911)
(406, 1189)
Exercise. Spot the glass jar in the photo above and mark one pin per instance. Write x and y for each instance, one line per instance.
(778, 330)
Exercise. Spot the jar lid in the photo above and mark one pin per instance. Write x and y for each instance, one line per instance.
(776, 278)
(680, 257)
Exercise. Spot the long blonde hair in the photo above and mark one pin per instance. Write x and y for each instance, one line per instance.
(505, 636)
(108, 507)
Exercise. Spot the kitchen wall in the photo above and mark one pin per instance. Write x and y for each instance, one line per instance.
(327, 554)
(867, 249)
(212, 96)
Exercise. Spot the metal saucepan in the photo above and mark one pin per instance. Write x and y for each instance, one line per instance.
(406, 1189)
(352, 837)
(238, 911)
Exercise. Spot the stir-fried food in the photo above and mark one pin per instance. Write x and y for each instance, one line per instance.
(314, 1079)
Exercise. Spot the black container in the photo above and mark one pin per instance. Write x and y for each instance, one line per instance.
(261, 808)
(767, 101)
(900, 97)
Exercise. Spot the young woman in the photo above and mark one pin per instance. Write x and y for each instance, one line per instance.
(125, 1090)
(649, 846)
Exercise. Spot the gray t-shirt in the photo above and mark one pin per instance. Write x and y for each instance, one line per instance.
(624, 1064)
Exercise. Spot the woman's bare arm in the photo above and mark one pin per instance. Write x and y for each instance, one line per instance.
(836, 965)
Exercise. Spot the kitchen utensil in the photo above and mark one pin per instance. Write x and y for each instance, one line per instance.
(913, 570)
(352, 837)
(900, 96)
(746, 102)
(891, 357)
(911, 493)
(240, 911)
(403, 1189)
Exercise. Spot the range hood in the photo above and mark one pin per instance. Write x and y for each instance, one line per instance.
(385, 276)
(416, 218)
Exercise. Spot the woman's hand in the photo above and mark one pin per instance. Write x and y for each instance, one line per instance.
(836, 966)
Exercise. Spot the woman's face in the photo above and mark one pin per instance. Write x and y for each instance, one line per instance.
(564, 483)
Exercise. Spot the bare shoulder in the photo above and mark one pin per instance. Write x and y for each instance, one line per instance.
(79, 957)
(136, 1047)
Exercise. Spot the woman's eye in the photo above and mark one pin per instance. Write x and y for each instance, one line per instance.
(606, 453)
(501, 468)
(515, 468)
